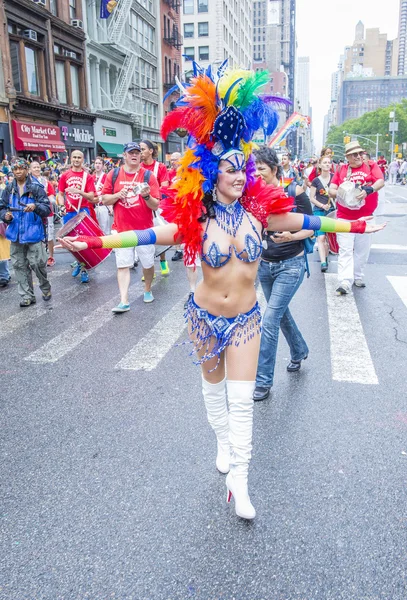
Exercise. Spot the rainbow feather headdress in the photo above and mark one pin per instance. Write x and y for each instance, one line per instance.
(221, 113)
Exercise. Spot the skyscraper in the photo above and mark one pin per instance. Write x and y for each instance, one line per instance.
(402, 59)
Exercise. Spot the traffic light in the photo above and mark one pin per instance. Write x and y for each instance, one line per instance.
(346, 139)
(396, 148)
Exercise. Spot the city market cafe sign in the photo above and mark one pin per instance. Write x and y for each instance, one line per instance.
(77, 135)
(36, 136)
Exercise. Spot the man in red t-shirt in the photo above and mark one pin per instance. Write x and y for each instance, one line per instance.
(103, 213)
(382, 164)
(133, 206)
(354, 249)
(149, 153)
(79, 190)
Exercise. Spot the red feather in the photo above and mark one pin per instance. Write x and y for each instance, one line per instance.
(262, 200)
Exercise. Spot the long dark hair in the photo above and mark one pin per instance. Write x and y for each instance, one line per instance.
(208, 203)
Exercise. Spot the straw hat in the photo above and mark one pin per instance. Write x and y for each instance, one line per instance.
(353, 147)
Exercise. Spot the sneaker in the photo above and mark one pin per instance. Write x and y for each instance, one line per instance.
(360, 283)
(51, 261)
(84, 277)
(135, 265)
(26, 302)
(261, 393)
(76, 269)
(121, 308)
(142, 279)
(324, 267)
(47, 296)
(343, 289)
(164, 267)
(4, 282)
(178, 255)
(148, 297)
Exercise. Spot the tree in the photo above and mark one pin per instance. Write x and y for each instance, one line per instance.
(372, 123)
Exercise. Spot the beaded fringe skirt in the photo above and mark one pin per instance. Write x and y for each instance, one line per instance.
(213, 334)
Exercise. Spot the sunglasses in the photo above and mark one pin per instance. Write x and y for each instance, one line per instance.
(355, 154)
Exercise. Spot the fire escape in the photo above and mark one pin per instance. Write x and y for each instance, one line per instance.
(114, 35)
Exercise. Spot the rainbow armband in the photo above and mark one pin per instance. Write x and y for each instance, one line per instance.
(328, 225)
(127, 239)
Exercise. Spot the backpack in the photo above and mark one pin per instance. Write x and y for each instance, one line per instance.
(309, 243)
(116, 171)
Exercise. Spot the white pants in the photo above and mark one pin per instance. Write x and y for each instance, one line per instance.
(104, 219)
(354, 249)
(393, 178)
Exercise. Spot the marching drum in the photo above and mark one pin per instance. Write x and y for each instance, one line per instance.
(83, 224)
(332, 241)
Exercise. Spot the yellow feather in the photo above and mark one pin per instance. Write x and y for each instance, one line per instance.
(247, 148)
(228, 78)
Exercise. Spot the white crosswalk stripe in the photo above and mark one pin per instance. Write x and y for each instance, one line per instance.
(27, 315)
(400, 285)
(69, 339)
(152, 348)
(350, 357)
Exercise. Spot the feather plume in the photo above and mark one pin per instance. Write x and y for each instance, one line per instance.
(259, 115)
(262, 200)
(248, 89)
(227, 81)
(278, 101)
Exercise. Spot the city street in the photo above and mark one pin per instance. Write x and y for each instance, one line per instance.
(108, 480)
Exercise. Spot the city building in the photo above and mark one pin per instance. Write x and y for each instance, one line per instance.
(124, 66)
(43, 60)
(402, 48)
(171, 60)
(366, 94)
(214, 31)
(371, 53)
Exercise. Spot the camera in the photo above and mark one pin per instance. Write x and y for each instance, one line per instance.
(139, 187)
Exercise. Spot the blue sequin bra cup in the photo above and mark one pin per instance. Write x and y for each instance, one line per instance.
(213, 334)
(229, 217)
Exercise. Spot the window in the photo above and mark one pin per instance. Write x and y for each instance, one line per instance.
(188, 30)
(53, 7)
(75, 85)
(203, 52)
(61, 83)
(202, 6)
(203, 29)
(15, 65)
(189, 53)
(72, 9)
(32, 71)
(188, 7)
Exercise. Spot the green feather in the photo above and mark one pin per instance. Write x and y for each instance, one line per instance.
(247, 91)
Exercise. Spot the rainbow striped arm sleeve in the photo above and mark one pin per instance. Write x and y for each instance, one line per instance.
(328, 225)
(127, 239)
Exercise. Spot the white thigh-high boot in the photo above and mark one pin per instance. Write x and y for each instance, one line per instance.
(216, 409)
(240, 398)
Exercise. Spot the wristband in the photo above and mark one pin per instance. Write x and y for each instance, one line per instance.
(368, 189)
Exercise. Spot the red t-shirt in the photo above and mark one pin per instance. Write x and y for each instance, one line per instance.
(363, 175)
(99, 181)
(133, 213)
(50, 192)
(159, 170)
(75, 179)
(172, 173)
(382, 163)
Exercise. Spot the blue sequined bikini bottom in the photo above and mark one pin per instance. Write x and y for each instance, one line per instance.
(213, 334)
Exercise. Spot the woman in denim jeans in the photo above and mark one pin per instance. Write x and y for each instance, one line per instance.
(281, 272)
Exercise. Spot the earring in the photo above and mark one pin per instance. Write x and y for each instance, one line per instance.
(214, 197)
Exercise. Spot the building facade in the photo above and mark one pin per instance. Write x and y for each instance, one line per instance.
(124, 72)
(366, 94)
(402, 48)
(43, 58)
(214, 31)
(371, 51)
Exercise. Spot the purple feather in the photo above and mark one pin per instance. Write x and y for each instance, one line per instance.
(250, 171)
(278, 100)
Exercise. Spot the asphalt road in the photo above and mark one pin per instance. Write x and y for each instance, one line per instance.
(108, 484)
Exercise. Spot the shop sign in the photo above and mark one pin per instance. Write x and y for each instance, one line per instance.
(36, 136)
(74, 134)
(109, 131)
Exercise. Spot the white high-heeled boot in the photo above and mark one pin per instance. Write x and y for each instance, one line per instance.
(240, 398)
(216, 409)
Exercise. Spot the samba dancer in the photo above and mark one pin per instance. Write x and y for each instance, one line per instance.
(218, 210)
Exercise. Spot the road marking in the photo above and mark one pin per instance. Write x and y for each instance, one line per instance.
(400, 285)
(350, 356)
(388, 247)
(34, 312)
(152, 348)
(69, 339)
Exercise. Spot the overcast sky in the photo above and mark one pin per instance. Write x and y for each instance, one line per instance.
(324, 28)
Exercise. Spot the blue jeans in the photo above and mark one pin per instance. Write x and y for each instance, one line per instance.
(280, 281)
(4, 271)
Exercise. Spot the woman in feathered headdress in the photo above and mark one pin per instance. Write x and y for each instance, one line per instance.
(217, 209)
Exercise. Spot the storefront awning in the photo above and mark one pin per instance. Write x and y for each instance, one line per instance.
(37, 136)
(112, 150)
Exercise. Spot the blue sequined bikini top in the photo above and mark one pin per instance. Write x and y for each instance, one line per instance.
(229, 218)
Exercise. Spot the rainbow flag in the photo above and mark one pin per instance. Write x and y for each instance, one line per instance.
(296, 120)
(48, 154)
(106, 8)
